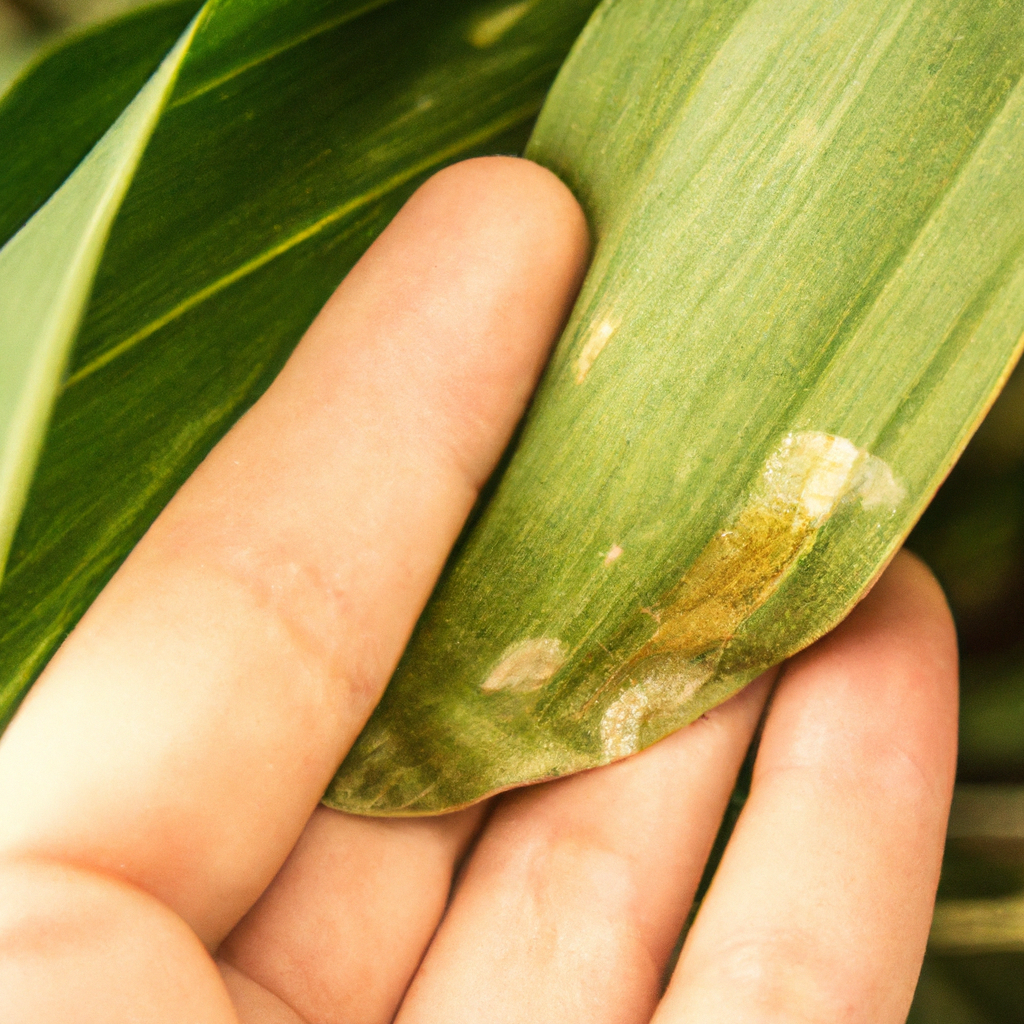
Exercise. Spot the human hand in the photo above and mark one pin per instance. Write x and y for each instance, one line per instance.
(171, 758)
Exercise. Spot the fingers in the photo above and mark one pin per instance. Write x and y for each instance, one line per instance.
(185, 732)
(340, 932)
(570, 903)
(577, 890)
(820, 909)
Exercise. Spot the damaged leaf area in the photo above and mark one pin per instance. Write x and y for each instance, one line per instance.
(803, 481)
(807, 288)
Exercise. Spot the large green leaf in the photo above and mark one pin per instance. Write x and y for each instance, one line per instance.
(295, 131)
(46, 271)
(807, 286)
(69, 96)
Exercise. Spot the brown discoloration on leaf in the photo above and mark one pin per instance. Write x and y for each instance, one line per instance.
(800, 223)
(740, 568)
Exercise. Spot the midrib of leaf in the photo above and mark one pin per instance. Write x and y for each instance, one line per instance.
(468, 142)
(268, 55)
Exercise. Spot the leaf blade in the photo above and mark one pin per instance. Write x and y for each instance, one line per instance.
(805, 291)
(69, 95)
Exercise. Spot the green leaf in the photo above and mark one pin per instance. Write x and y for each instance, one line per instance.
(807, 287)
(69, 96)
(295, 131)
(46, 271)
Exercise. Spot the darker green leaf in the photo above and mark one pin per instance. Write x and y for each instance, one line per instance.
(295, 132)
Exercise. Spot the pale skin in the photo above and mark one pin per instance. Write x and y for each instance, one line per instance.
(162, 853)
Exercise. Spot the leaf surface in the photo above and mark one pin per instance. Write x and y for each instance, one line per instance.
(808, 285)
(295, 131)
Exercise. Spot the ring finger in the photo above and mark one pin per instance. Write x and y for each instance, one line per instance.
(577, 890)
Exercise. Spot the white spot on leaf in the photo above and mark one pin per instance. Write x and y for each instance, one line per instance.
(526, 665)
(613, 555)
(620, 725)
(486, 31)
(593, 347)
(877, 486)
(812, 471)
(666, 684)
(800, 485)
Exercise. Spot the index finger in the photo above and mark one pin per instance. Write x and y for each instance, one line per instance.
(186, 730)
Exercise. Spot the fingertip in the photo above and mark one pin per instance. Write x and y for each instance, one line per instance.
(843, 832)
(919, 592)
(523, 222)
(907, 612)
(280, 586)
(880, 692)
(506, 244)
(517, 192)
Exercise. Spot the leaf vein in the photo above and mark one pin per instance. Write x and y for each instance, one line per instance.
(495, 127)
(270, 55)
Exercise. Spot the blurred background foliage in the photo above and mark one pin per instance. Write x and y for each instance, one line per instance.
(25, 25)
(973, 538)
